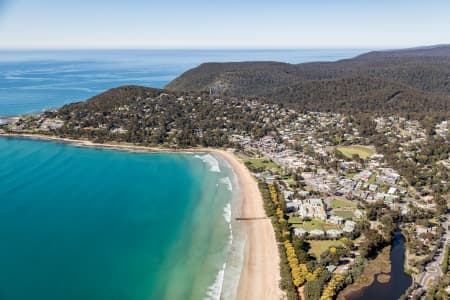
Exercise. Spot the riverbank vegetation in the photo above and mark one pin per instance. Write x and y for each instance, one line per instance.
(380, 265)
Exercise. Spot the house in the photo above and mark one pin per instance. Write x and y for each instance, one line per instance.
(392, 190)
(317, 232)
(421, 229)
(293, 206)
(336, 220)
(379, 196)
(358, 213)
(373, 187)
(389, 199)
(358, 185)
(334, 233)
(365, 175)
(331, 268)
(118, 130)
(304, 194)
(270, 179)
(288, 195)
(299, 232)
(404, 210)
(312, 208)
(349, 226)
(389, 176)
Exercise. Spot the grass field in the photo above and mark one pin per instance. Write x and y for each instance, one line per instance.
(295, 220)
(298, 222)
(308, 188)
(261, 163)
(346, 214)
(361, 151)
(318, 247)
(313, 224)
(339, 203)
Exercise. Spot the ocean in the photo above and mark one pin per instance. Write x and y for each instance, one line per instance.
(31, 81)
(78, 223)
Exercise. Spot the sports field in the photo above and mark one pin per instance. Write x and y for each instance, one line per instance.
(362, 151)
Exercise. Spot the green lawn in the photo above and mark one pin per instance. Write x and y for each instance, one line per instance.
(261, 163)
(295, 220)
(338, 203)
(313, 224)
(433, 221)
(318, 247)
(297, 226)
(346, 214)
(349, 151)
(298, 222)
(308, 188)
(350, 175)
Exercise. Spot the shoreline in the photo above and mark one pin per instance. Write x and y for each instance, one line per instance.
(260, 274)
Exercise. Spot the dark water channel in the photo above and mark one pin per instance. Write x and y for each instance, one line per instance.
(398, 282)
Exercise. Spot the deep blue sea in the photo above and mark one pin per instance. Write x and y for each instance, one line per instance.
(31, 81)
(79, 223)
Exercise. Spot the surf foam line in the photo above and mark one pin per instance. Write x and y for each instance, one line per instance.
(215, 290)
(227, 182)
(211, 161)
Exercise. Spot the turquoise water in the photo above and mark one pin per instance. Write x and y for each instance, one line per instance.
(31, 81)
(79, 223)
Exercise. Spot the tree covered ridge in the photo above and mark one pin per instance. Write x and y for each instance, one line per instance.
(417, 77)
(154, 116)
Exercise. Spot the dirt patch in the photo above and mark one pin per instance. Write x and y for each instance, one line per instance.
(383, 278)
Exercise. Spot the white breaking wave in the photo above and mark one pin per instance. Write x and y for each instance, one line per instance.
(211, 161)
(215, 290)
(227, 182)
(227, 212)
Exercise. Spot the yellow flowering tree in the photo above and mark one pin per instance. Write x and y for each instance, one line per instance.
(330, 291)
(273, 193)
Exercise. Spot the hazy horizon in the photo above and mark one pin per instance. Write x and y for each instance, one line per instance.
(199, 24)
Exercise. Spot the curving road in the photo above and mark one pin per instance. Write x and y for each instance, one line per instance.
(433, 269)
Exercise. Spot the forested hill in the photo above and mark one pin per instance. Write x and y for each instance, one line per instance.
(401, 80)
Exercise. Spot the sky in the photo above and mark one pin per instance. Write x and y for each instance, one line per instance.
(75, 24)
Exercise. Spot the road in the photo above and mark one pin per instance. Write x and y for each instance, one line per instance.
(433, 269)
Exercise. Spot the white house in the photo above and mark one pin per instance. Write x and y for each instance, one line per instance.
(373, 187)
(317, 232)
(334, 233)
(299, 232)
(336, 220)
(358, 213)
(392, 190)
(349, 226)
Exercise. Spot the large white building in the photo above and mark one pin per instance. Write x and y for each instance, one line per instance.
(312, 208)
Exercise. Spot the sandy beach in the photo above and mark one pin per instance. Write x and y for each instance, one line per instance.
(260, 275)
